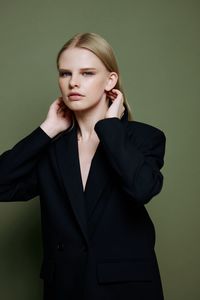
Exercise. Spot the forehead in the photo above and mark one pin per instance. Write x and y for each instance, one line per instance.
(79, 58)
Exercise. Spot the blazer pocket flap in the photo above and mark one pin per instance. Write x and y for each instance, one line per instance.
(137, 271)
(47, 270)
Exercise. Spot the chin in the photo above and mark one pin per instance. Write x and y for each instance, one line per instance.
(76, 107)
(80, 106)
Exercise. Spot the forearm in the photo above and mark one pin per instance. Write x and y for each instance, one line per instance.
(18, 180)
(18, 161)
(49, 129)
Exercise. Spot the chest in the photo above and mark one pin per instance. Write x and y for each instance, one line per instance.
(86, 151)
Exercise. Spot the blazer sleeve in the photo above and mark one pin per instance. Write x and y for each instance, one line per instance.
(136, 156)
(18, 179)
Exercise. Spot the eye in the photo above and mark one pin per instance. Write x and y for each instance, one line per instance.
(88, 73)
(64, 73)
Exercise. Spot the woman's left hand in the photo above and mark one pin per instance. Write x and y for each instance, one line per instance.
(116, 109)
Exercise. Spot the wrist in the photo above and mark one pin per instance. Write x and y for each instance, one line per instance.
(49, 129)
(111, 116)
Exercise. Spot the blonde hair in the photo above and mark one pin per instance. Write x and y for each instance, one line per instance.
(101, 48)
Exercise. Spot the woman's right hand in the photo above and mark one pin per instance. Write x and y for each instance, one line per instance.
(59, 118)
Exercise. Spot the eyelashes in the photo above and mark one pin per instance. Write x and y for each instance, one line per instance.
(84, 74)
(88, 73)
(64, 74)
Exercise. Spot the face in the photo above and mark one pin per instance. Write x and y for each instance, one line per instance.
(83, 79)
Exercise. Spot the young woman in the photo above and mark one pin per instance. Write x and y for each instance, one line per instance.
(94, 170)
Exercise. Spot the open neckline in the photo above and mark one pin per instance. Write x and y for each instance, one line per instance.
(90, 168)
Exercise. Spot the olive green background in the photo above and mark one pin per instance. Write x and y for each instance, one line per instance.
(158, 49)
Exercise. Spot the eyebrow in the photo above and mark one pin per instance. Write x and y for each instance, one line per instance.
(81, 69)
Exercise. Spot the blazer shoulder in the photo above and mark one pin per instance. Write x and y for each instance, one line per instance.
(143, 130)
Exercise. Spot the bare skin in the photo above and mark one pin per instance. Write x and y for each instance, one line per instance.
(93, 105)
(59, 118)
(87, 146)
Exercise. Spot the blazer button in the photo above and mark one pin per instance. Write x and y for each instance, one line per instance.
(60, 246)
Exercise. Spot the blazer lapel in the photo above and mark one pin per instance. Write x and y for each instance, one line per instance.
(99, 185)
(68, 162)
(97, 180)
(100, 175)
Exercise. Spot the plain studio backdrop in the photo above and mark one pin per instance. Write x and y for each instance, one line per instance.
(158, 49)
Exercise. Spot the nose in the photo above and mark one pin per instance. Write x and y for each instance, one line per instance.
(74, 81)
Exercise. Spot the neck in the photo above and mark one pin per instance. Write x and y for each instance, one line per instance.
(87, 119)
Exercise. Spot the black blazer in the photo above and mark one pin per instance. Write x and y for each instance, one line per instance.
(98, 243)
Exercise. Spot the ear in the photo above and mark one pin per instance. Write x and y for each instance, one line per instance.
(112, 80)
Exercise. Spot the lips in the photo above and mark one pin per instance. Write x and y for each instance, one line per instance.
(75, 96)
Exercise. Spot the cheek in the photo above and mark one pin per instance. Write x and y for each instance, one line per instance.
(62, 85)
(98, 86)
(59, 84)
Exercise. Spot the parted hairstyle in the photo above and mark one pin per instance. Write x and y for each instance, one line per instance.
(102, 49)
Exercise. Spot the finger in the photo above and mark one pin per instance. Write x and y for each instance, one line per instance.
(58, 100)
(112, 95)
(118, 94)
(116, 91)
